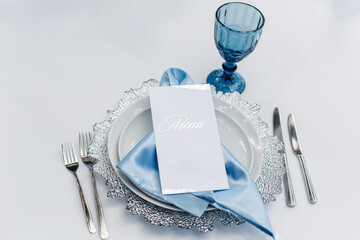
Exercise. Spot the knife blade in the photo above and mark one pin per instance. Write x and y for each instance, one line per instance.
(295, 145)
(290, 195)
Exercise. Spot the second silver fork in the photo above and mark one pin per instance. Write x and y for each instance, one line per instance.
(84, 141)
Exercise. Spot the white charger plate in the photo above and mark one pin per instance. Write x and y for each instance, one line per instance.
(236, 133)
(237, 121)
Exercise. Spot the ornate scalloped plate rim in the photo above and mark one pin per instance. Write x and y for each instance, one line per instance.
(268, 183)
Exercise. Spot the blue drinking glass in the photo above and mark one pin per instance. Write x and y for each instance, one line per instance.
(238, 27)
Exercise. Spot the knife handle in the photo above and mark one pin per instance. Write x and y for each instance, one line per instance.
(290, 195)
(309, 187)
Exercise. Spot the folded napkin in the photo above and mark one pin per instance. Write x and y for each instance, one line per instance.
(241, 199)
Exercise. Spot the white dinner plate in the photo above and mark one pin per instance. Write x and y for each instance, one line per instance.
(236, 133)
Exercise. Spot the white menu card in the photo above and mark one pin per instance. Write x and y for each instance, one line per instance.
(188, 145)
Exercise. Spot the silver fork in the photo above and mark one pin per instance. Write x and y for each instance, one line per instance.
(84, 141)
(72, 165)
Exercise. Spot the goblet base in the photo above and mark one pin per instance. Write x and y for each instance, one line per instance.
(236, 83)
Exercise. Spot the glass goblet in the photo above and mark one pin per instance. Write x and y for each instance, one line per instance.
(238, 27)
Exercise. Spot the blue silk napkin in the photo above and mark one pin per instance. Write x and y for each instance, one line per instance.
(241, 199)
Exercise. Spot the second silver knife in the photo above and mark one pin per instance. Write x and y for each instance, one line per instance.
(297, 151)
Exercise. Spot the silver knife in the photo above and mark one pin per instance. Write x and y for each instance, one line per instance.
(290, 195)
(297, 151)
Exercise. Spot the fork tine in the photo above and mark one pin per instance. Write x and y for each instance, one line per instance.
(68, 152)
(81, 144)
(84, 144)
(63, 153)
(73, 154)
(85, 140)
(88, 140)
(67, 156)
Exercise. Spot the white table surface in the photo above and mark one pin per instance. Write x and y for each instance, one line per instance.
(64, 63)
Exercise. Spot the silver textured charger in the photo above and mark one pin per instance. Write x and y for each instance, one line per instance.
(268, 183)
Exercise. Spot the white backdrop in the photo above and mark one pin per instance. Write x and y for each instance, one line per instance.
(64, 63)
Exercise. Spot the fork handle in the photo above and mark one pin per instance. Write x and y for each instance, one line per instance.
(88, 217)
(99, 210)
(309, 186)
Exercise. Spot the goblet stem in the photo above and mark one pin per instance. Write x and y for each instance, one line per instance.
(229, 69)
